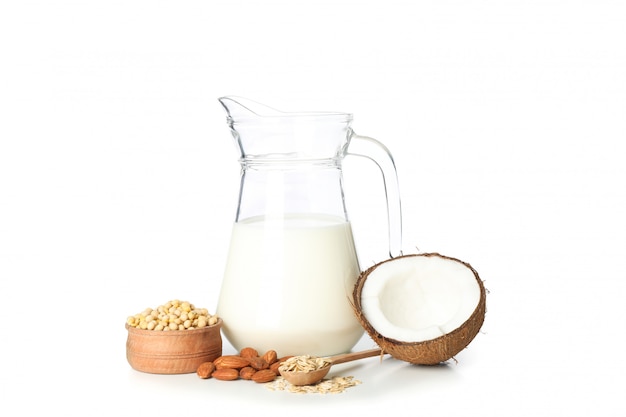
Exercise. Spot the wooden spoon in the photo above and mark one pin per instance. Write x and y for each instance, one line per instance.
(313, 377)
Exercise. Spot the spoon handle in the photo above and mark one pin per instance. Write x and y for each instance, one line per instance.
(352, 356)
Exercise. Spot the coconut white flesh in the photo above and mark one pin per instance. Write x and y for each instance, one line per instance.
(417, 298)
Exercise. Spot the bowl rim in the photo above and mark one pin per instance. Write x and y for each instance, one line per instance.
(197, 330)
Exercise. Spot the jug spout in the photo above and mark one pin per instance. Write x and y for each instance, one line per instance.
(242, 109)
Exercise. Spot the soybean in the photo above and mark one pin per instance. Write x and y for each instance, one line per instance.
(173, 315)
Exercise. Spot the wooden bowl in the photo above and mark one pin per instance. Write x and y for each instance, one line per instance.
(173, 352)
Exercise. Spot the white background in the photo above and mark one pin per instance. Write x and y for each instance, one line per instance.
(118, 185)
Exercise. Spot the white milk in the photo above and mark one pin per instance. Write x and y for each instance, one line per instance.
(288, 286)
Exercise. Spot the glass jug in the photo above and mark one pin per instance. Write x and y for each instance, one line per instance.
(292, 264)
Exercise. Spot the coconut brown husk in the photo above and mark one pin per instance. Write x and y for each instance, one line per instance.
(429, 352)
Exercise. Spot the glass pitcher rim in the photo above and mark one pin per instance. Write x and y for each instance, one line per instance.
(258, 112)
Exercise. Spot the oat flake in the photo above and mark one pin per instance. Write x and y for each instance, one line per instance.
(333, 385)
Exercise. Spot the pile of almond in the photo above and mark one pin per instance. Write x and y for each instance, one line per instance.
(247, 365)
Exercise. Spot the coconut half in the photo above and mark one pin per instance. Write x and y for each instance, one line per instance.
(423, 308)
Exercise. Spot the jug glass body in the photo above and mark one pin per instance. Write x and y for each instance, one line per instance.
(292, 262)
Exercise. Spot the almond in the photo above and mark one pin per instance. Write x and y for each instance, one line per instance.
(270, 357)
(247, 372)
(274, 367)
(231, 362)
(248, 352)
(258, 363)
(226, 374)
(205, 370)
(264, 375)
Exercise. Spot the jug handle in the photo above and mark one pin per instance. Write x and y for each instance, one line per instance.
(375, 151)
